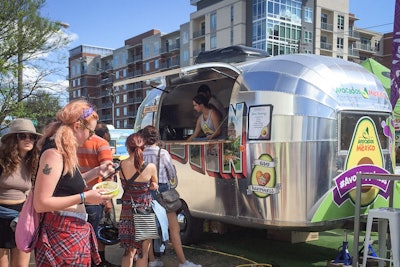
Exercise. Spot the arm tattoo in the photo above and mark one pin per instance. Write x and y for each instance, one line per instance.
(46, 169)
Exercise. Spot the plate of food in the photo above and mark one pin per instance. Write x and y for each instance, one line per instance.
(110, 187)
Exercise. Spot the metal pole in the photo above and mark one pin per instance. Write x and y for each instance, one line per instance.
(112, 95)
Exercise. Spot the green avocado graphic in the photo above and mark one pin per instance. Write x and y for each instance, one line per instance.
(263, 176)
(365, 149)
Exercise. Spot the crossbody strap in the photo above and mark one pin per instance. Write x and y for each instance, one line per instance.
(158, 162)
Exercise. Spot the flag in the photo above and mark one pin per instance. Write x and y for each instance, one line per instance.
(395, 69)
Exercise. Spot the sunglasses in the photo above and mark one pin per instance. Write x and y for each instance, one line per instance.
(22, 136)
(91, 132)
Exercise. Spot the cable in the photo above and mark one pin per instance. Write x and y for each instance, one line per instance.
(251, 264)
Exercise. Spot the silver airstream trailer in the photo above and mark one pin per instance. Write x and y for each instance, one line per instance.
(296, 130)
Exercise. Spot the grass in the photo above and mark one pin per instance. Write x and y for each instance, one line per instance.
(255, 246)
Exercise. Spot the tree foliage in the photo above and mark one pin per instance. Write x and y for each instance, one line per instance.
(40, 108)
(26, 41)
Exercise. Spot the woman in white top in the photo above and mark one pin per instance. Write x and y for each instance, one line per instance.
(208, 122)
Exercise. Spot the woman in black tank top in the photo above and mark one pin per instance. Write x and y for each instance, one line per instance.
(59, 190)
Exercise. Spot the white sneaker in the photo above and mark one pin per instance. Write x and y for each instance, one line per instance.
(189, 264)
(155, 263)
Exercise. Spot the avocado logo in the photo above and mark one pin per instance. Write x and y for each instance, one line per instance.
(365, 149)
(364, 93)
(263, 177)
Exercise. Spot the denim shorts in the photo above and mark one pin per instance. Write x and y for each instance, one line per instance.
(95, 213)
(161, 188)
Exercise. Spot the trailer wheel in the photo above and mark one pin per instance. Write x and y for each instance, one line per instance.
(191, 227)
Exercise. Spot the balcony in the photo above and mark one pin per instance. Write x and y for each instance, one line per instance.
(326, 46)
(354, 35)
(199, 34)
(353, 53)
(106, 81)
(170, 48)
(326, 26)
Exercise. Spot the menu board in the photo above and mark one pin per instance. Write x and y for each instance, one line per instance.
(260, 122)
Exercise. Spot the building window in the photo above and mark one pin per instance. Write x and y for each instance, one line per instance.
(73, 83)
(185, 37)
(324, 21)
(365, 43)
(156, 48)
(308, 37)
(232, 36)
(125, 98)
(117, 99)
(185, 55)
(117, 75)
(260, 32)
(117, 112)
(308, 14)
(232, 13)
(125, 111)
(124, 73)
(125, 123)
(324, 18)
(213, 42)
(156, 64)
(259, 9)
(340, 24)
(340, 43)
(147, 66)
(213, 21)
(146, 50)
(118, 124)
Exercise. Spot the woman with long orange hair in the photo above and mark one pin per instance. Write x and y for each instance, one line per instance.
(66, 238)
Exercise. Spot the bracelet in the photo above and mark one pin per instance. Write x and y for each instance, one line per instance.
(82, 195)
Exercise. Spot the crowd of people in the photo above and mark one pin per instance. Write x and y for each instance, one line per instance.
(62, 164)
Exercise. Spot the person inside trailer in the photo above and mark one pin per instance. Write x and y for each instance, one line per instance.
(208, 122)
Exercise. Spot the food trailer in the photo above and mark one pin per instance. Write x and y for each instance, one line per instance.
(297, 130)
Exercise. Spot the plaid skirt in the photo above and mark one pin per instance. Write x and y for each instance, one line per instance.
(66, 241)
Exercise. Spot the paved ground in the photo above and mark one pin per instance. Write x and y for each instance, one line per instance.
(207, 258)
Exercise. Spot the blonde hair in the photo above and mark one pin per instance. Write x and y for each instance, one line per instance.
(61, 131)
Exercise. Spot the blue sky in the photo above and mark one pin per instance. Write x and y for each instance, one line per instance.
(372, 13)
(108, 23)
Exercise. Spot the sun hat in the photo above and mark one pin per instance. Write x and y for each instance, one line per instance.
(20, 126)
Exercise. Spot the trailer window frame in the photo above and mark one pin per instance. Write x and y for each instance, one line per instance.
(349, 119)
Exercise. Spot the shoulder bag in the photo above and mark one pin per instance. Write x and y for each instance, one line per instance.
(169, 199)
(28, 226)
(144, 219)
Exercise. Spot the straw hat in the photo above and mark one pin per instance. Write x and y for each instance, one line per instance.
(20, 126)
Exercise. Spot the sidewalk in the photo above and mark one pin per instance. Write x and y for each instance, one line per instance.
(199, 256)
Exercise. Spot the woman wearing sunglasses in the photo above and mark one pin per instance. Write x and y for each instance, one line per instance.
(18, 163)
(66, 238)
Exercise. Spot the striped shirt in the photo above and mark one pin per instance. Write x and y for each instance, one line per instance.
(167, 170)
(93, 153)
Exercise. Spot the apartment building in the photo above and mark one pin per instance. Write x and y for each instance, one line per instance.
(321, 27)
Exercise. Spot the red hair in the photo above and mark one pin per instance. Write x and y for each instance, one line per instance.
(135, 145)
(63, 134)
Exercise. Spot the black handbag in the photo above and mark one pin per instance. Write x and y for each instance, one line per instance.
(170, 199)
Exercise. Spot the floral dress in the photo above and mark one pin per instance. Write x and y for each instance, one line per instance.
(140, 194)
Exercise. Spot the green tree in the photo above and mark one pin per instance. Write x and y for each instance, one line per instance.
(41, 108)
(26, 41)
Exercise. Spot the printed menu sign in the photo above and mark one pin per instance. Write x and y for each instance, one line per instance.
(260, 122)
